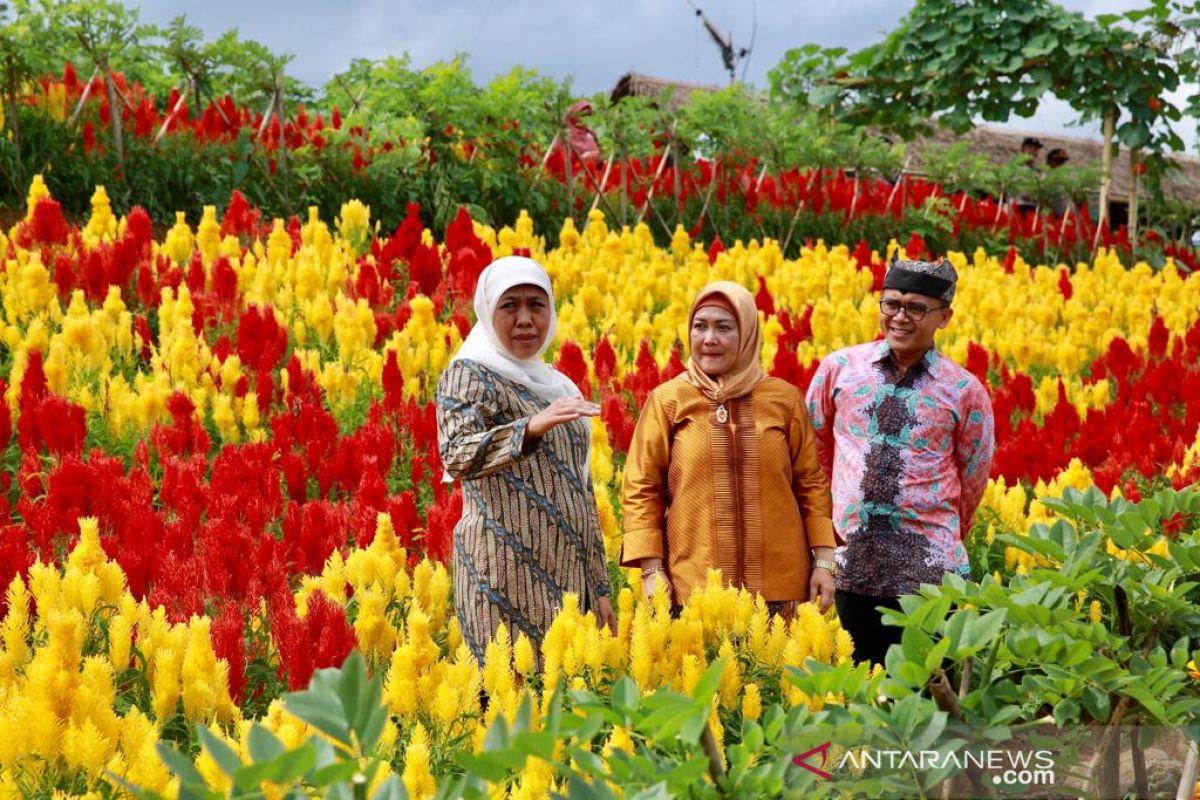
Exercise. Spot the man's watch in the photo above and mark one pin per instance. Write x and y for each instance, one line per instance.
(822, 563)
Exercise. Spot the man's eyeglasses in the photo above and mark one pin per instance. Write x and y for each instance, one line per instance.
(914, 311)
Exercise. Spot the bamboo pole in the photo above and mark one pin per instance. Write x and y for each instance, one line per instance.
(83, 97)
(678, 176)
(599, 189)
(1191, 767)
(171, 114)
(662, 163)
(568, 154)
(12, 106)
(121, 93)
(899, 180)
(115, 116)
(624, 183)
(796, 215)
(1135, 161)
(1110, 119)
(266, 117)
(603, 181)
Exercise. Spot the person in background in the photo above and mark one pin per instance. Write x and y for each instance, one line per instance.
(1029, 152)
(1060, 203)
(1030, 147)
(907, 438)
(722, 471)
(515, 432)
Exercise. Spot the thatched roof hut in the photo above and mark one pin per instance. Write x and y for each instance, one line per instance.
(1001, 145)
(637, 85)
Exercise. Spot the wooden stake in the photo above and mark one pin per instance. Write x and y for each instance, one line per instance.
(83, 96)
(603, 181)
(568, 155)
(1191, 767)
(171, 115)
(1105, 175)
(115, 117)
(796, 215)
(266, 117)
(662, 163)
(1135, 161)
(900, 180)
(12, 108)
(545, 160)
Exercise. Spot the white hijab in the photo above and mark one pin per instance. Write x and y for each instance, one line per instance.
(484, 346)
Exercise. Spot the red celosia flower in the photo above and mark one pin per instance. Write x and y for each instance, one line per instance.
(570, 363)
(715, 249)
(48, 224)
(228, 634)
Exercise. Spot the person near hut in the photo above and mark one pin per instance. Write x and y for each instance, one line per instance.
(907, 438)
(1028, 156)
(1060, 203)
(723, 473)
(515, 432)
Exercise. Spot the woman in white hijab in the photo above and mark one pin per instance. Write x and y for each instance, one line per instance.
(515, 432)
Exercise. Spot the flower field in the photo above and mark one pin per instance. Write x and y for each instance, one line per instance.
(221, 475)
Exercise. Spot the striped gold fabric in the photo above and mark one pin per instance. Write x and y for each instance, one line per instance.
(529, 531)
(747, 496)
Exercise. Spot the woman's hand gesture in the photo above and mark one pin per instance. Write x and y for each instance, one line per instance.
(564, 409)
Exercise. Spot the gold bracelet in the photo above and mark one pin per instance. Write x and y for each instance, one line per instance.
(821, 563)
(646, 573)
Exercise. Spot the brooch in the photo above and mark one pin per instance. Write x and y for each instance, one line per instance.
(722, 414)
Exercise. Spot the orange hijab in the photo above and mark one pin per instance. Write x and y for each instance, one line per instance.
(746, 371)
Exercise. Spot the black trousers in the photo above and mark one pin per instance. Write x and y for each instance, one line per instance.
(864, 623)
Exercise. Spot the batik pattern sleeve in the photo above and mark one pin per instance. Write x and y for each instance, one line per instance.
(975, 444)
(473, 440)
(820, 413)
(645, 485)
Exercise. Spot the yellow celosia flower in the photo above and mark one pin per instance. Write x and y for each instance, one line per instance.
(751, 702)
(417, 776)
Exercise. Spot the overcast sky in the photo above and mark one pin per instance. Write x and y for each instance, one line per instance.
(596, 41)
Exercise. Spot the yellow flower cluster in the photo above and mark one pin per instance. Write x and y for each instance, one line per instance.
(61, 665)
(617, 284)
(1004, 509)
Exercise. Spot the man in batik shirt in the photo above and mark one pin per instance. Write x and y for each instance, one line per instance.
(907, 437)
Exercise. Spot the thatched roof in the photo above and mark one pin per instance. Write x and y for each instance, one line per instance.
(1001, 145)
(635, 84)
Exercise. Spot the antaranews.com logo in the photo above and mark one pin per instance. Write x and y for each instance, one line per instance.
(1007, 767)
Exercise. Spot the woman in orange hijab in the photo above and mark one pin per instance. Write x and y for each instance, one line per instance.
(723, 471)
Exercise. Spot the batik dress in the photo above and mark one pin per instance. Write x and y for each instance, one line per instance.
(529, 531)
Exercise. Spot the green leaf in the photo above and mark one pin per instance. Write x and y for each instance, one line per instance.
(934, 659)
(493, 766)
(916, 644)
(323, 711)
(285, 768)
(263, 744)
(181, 765)
(694, 726)
(333, 773)
(706, 688)
(1066, 712)
(980, 632)
(1179, 653)
(221, 752)
(625, 694)
(391, 789)
(1096, 702)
